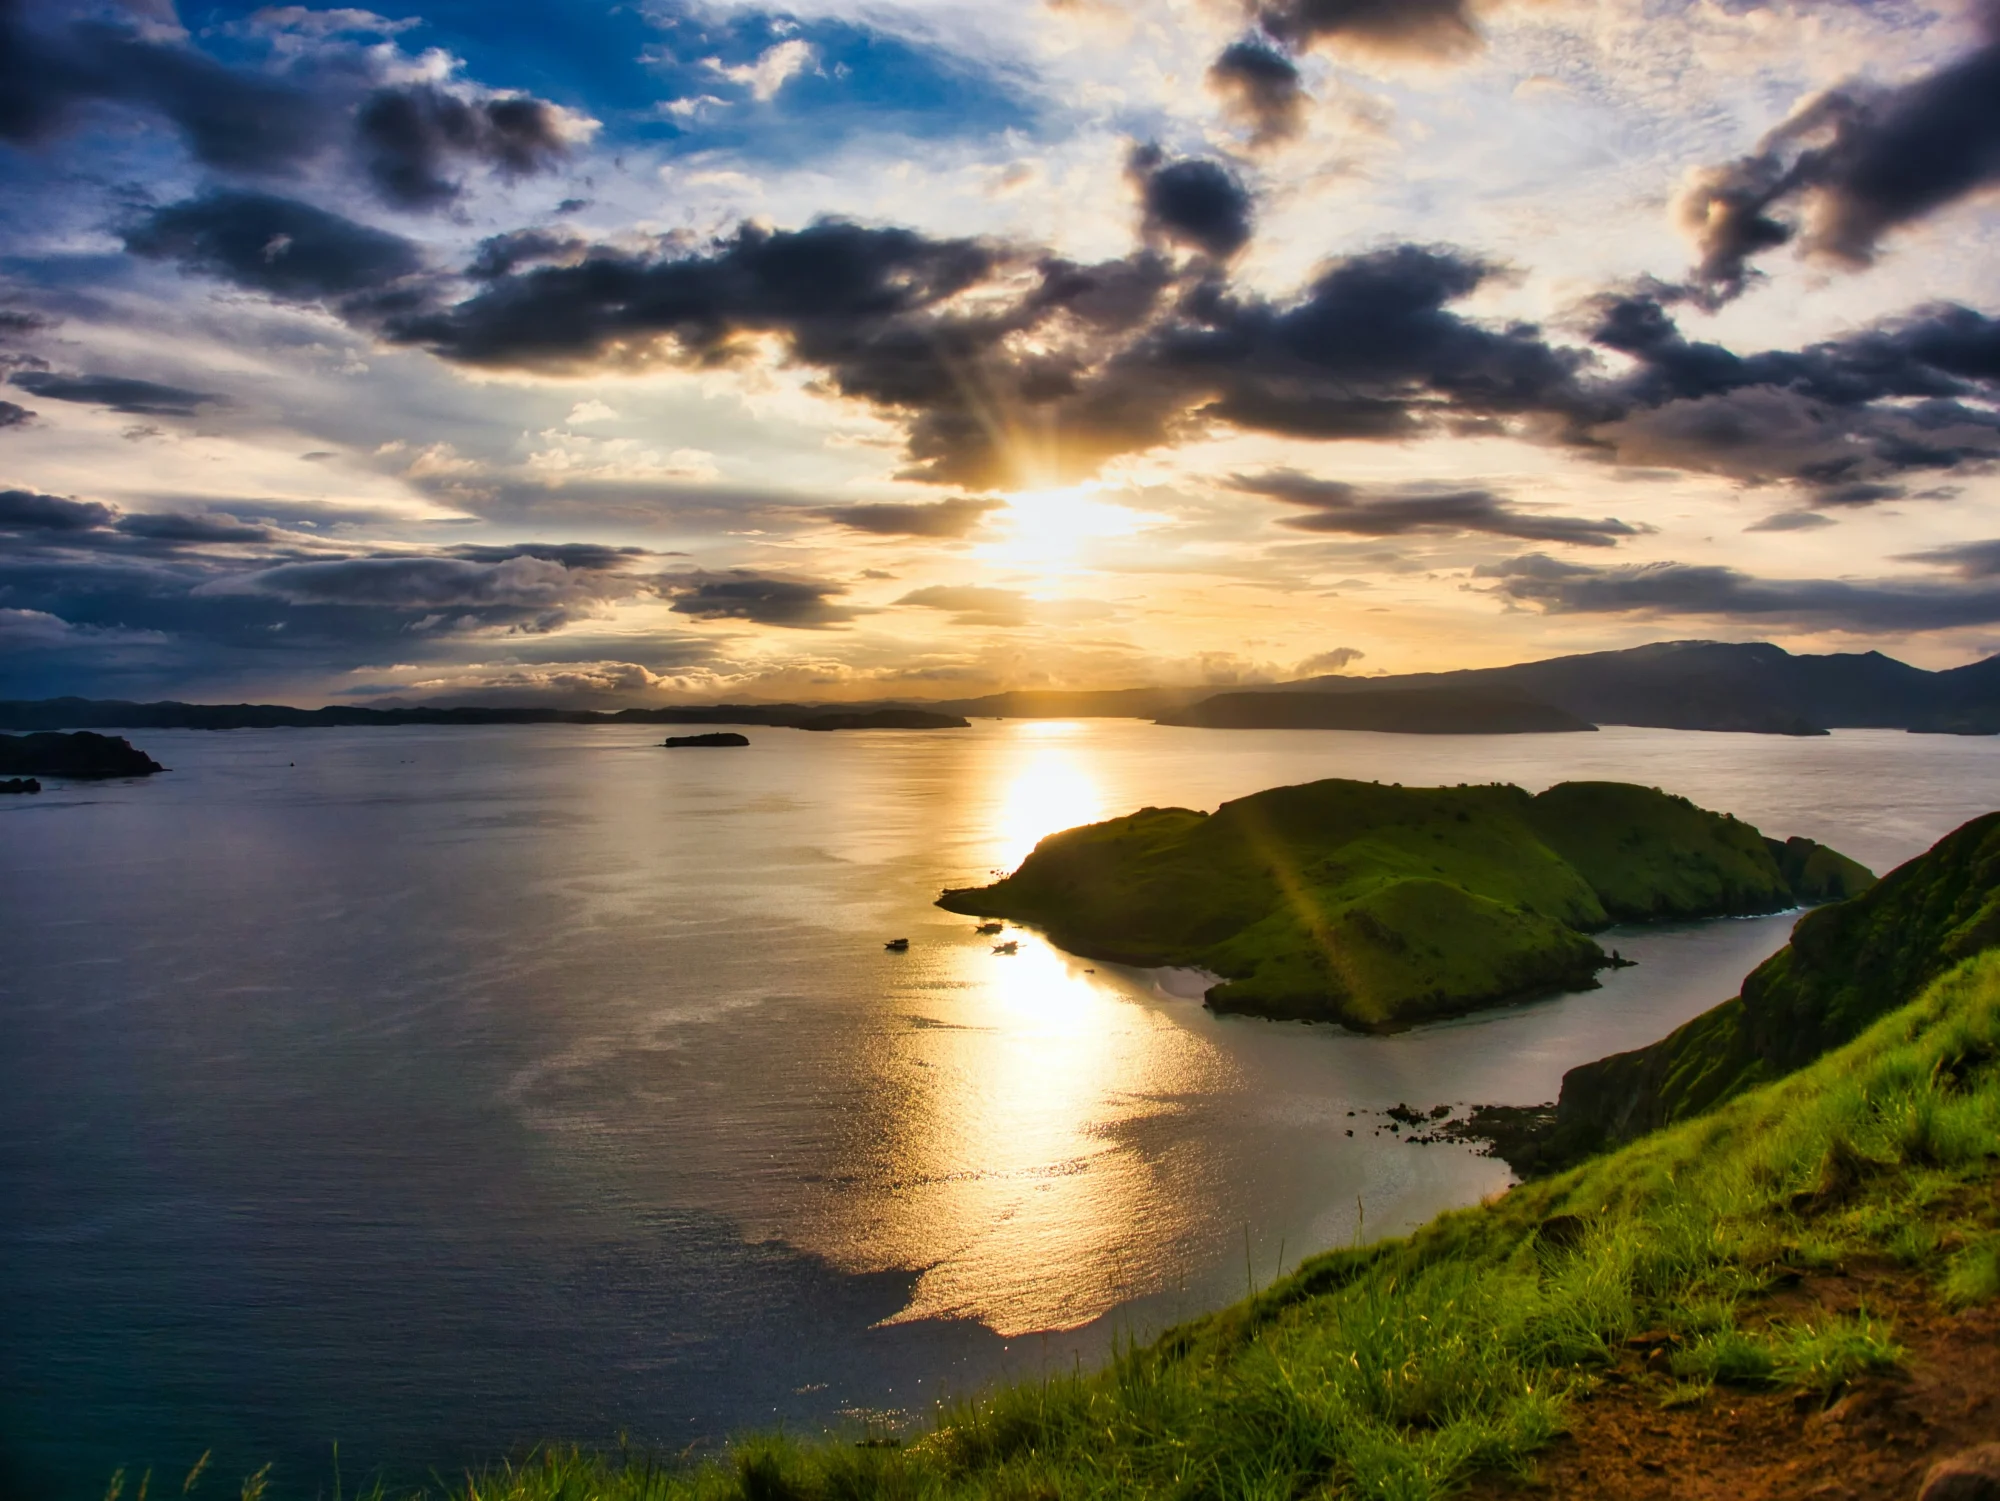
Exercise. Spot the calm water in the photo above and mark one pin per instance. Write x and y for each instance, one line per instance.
(436, 1090)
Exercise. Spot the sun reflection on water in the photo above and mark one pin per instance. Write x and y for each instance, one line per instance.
(1051, 789)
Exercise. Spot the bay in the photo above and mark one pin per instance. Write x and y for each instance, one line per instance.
(436, 1091)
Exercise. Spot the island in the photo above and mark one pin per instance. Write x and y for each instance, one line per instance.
(883, 719)
(720, 737)
(19, 784)
(1396, 711)
(1379, 906)
(83, 756)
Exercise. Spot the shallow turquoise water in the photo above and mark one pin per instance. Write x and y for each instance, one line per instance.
(431, 1091)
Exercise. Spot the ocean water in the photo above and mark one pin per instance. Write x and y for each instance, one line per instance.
(436, 1091)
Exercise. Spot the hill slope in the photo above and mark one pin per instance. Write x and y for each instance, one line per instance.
(1719, 685)
(1412, 711)
(1379, 906)
(1846, 965)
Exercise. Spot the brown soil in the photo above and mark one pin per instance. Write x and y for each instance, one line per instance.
(1872, 1442)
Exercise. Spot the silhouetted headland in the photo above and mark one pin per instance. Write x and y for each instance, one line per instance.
(81, 755)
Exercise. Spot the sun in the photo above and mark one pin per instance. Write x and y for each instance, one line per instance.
(1050, 532)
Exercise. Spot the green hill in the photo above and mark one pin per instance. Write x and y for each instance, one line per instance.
(1845, 966)
(1379, 906)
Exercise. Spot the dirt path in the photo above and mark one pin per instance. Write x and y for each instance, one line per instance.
(1874, 1442)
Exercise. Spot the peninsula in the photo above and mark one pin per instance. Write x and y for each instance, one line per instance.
(83, 756)
(1382, 906)
(1406, 711)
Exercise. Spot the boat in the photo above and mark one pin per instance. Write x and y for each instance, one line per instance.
(1010, 946)
(989, 928)
(897, 945)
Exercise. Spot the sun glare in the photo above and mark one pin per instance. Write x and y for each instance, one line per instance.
(1049, 531)
(1050, 791)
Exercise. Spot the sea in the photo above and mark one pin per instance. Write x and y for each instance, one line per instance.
(386, 1102)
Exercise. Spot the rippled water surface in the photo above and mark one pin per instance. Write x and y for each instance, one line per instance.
(434, 1090)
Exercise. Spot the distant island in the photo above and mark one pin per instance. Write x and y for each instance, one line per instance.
(1381, 906)
(18, 785)
(83, 756)
(720, 738)
(1406, 711)
(1678, 685)
(884, 719)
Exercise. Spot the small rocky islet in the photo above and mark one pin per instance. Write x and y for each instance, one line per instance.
(1380, 906)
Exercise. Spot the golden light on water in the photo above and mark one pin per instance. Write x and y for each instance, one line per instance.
(1051, 788)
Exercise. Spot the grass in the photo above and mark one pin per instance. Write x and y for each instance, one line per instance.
(1399, 1371)
(1379, 906)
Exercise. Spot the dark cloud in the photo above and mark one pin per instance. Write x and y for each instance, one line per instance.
(26, 511)
(1424, 28)
(1677, 589)
(941, 518)
(1844, 417)
(521, 592)
(13, 414)
(1859, 161)
(52, 73)
(179, 526)
(1336, 506)
(1260, 87)
(1969, 560)
(599, 556)
(416, 138)
(120, 393)
(502, 255)
(274, 245)
(740, 594)
(1194, 202)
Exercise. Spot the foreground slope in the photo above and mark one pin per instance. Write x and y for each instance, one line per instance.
(1379, 906)
(1692, 1276)
(1845, 966)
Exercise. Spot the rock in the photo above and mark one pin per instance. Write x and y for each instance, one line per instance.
(20, 784)
(1969, 1475)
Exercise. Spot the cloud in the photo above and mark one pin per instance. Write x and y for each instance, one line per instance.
(231, 120)
(415, 137)
(1336, 506)
(979, 605)
(771, 71)
(120, 393)
(1657, 590)
(274, 245)
(1418, 28)
(1336, 660)
(765, 599)
(1260, 87)
(25, 511)
(1860, 161)
(1791, 521)
(941, 518)
(13, 414)
(1969, 560)
(1194, 202)
(520, 591)
(176, 526)
(971, 604)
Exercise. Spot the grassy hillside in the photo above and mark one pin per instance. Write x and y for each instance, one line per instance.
(1378, 906)
(1404, 1369)
(1845, 966)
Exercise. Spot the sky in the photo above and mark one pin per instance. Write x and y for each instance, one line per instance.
(568, 351)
